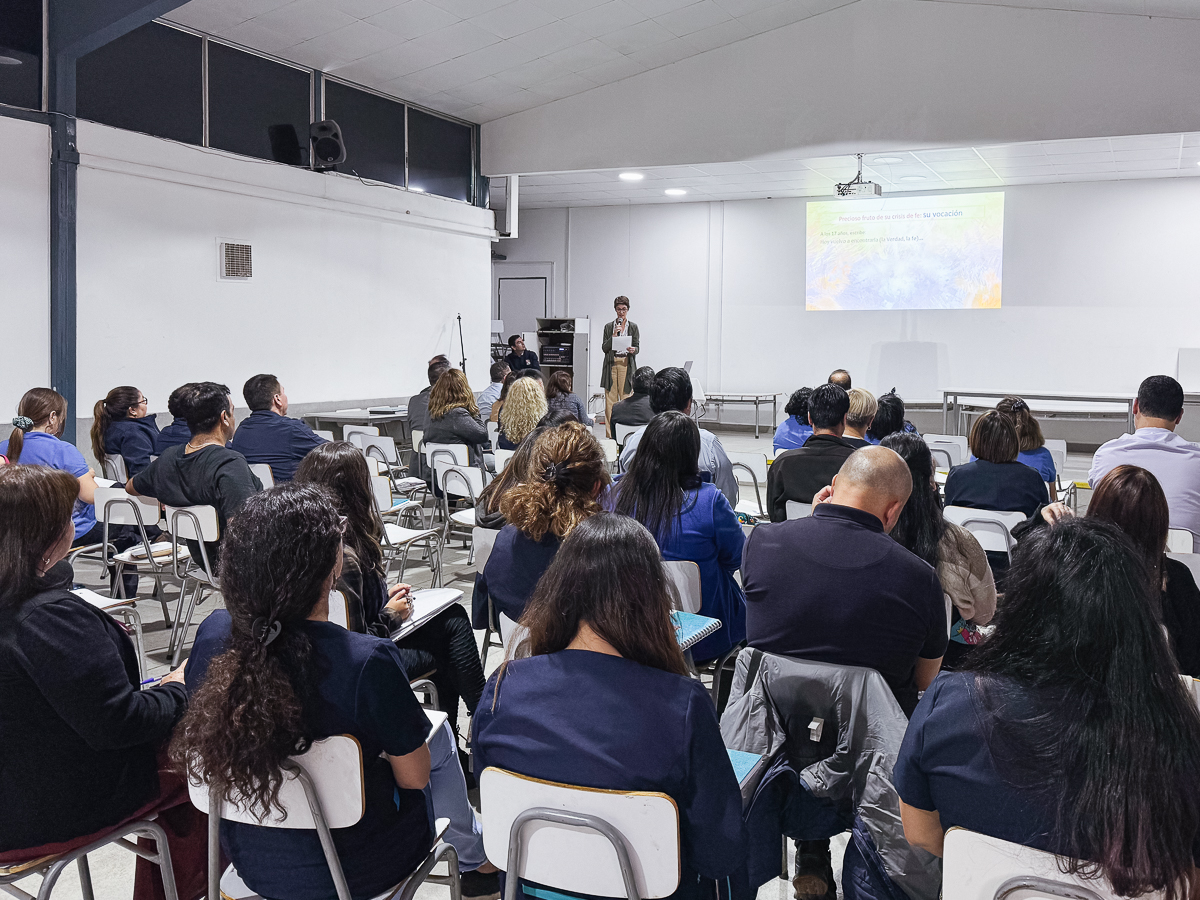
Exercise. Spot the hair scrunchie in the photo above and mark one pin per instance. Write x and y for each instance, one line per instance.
(1019, 405)
(23, 422)
(264, 632)
(558, 474)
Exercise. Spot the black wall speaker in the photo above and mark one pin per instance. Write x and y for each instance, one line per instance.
(327, 147)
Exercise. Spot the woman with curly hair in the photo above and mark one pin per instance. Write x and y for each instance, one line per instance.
(567, 471)
(454, 417)
(524, 408)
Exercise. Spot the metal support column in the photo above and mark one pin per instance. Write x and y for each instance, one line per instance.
(64, 166)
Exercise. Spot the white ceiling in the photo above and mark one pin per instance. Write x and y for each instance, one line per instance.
(1044, 162)
(485, 59)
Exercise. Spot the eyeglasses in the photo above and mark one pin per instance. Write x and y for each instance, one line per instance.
(142, 401)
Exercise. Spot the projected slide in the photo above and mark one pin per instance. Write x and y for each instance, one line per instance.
(905, 252)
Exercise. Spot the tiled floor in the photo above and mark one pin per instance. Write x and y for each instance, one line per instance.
(112, 869)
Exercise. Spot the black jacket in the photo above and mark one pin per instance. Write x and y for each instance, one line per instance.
(634, 410)
(78, 739)
(801, 473)
(1002, 487)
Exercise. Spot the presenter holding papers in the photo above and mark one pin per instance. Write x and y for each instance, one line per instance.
(620, 346)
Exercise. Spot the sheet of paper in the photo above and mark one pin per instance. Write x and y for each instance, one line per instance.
(621, 343)
(426, 604)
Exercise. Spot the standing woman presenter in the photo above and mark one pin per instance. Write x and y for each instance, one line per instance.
(615, 375)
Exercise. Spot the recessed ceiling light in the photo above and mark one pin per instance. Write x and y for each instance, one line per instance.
(887, 160)
(912, 177)
(674, 192)
(631, 176)
(9, 61)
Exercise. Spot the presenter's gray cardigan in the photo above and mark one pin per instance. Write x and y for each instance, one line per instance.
(610, 357)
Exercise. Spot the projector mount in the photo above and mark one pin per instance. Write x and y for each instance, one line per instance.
(858, 187)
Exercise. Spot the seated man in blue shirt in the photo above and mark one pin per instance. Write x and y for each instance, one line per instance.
(177, 432)
(268, 435)
(835, 588)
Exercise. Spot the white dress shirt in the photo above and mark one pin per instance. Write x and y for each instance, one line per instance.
(712, 459)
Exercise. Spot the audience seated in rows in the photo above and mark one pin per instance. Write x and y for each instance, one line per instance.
(793, 431)
(177, 432)
(454, 417)
(1132, 499)
(995, 480)
(444, 645)
(602, 700)
(801, 473)
(267, 435)
(202, 472)
(122, 426)
(490, 394)
(567, 472)
(833, 587)
(81, 738)
(841, 378)
(1155, 447)
(859, 417)
(889, 418)
(1070, 730)
(672, 389)
(559, 396)
(487, 507)
(690, 520)
(494, 415)
(523, 409)
(961, 564)
(418, 404)
(519, 359)
(1033, 452)
(635, 409)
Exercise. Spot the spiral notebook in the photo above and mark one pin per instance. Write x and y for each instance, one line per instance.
(691, 628)
(426, 604)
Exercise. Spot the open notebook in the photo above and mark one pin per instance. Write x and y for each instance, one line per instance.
(426, 604)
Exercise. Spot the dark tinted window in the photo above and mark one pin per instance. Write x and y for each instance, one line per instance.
(21, 53)
(257, 107)
(372, 129)
(149, 81)
(439, 156)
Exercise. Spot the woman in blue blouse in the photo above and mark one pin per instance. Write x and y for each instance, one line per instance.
(794, 430)
(690, 519)
(603, 701)
(122, 427)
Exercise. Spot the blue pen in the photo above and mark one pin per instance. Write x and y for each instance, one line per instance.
(151, 680)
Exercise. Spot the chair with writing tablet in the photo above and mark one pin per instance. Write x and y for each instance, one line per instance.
(116, 507)
(482, 542)
(382, 449)
(580, 840)
(323, 789)
(754, 465)
(942, 458)
(493, 429)
(991, 528)
(397, 540)
(264, 474)
(391, 509)
(461, 485)
(794, 509)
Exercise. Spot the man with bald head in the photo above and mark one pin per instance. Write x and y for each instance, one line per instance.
(841, 378)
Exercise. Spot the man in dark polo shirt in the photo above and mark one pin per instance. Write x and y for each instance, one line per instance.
(519, 359)
(834, 588)
(267, 435)
(801, 473)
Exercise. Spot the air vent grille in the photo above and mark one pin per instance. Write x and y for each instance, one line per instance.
(236, 261)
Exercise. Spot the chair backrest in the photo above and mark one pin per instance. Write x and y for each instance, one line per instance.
(979, 867)
(461, 453)
(418, 438)
(381, 489)
(378, 446)
(572, 854)
(114, 467)
(960, 439)
(622, 432)
(493, 430)
(1191, 560)
(1180, 540)
(1058, 452)
(350, 430)
(264, 473)
(512, 633)
(953, 452)
(502, 458)
(336, 768)
(685, 575)
(943, 458)
(194, 523)
(328, 435)
(458, 480)
(117, 507)
(483, 540)
(611, 453)
(992, 529)
(339, 613)
(754, 463)
(794, 509)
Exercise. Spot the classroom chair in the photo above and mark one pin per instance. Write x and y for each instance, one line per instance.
(482, 540)
(622, 432)
(794, 509)
(116, 507)
(397, 540)
(199, 524)
(992, 529)
(1180, 540)
(754, 465)
(114, 468)
(264, 474)
(685, 575)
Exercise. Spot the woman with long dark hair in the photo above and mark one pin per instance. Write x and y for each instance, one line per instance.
(603, 700)
(961, 564)
(269, 675)
(690, 520)
(560, 396)
(1069, 730)
(487, 509)
(445, 644)
(795, 429)
(122, 426)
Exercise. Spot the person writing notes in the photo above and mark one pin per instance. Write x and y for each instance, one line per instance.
(621, 343)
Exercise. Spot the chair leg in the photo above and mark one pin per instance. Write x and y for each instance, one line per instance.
(487, 644)
(419, 877)
(197, 596)
(179, 607)
(85, 878)
(160, 592)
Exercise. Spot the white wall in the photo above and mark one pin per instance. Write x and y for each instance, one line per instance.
(24, 262)
(876, 75)
(1101, 287)
(355, 287)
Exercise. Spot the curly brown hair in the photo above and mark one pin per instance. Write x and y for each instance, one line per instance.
(252, 711)
(567, 471)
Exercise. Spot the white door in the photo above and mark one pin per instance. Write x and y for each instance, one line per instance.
(522, 303)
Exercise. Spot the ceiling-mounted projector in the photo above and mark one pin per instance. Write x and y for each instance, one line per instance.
(858, 187)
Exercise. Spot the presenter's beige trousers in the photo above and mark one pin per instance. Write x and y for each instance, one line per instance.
(616, 393)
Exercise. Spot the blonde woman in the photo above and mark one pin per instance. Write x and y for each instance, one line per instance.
(454, 417)
(523, 409)
(861, 414)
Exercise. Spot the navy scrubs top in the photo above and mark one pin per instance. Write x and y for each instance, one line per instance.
(512, 572)
(363, 691)
(267, 437)
(175, 433)
(134, 440)
(593, 720)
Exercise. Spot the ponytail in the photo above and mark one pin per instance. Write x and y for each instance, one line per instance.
(34, 411)
(112, 408)
(16, 439)
(100, 422)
